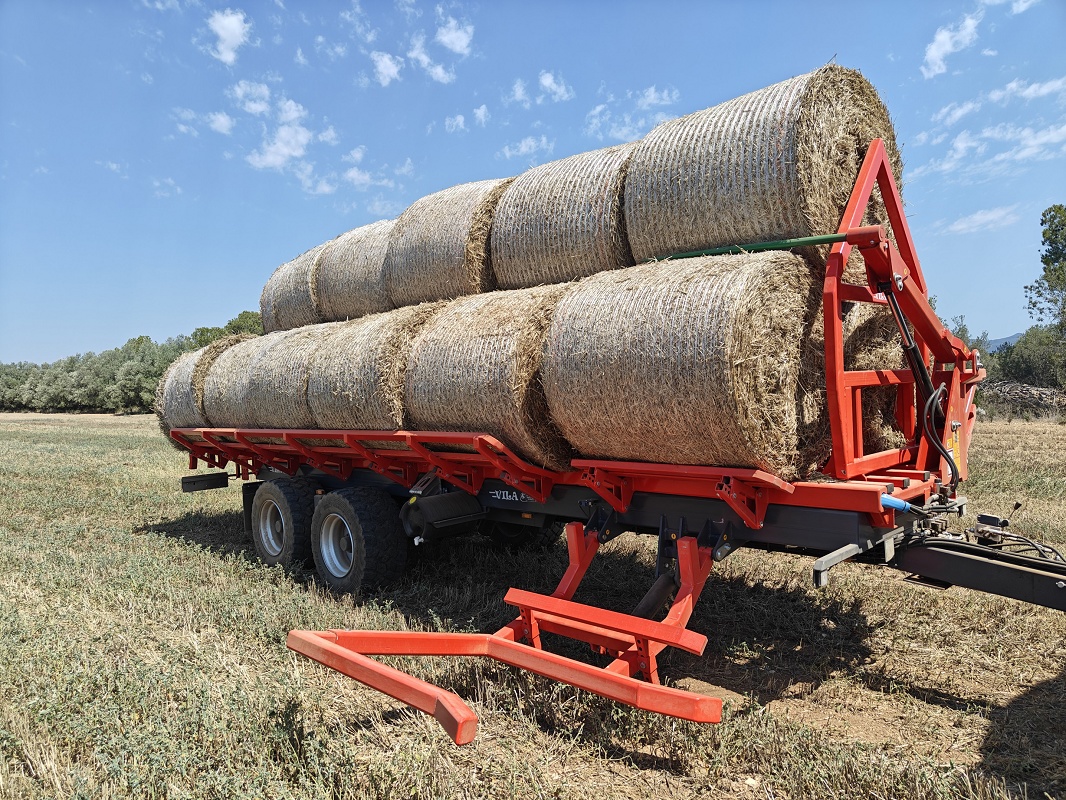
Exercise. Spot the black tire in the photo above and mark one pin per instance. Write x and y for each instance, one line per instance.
(523, 537)
(357, 540)
(281, 521)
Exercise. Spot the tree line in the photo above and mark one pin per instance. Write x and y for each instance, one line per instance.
(124, 380)
(1038, 358)
(119, 381)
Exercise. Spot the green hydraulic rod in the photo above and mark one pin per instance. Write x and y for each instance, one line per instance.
(780, 244)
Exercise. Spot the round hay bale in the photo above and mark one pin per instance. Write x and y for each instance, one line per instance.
(777, 163)
(439, 247)
(475, 366)
(357, 374)
(293, 303)
(179, 400)
(562, 220)
(175, 405)
(227, 384)
(277, 389)
(348, 279)
(266, 307)
(690, 362)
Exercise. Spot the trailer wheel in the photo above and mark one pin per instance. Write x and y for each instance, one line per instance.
(357, 539)
(523, 537)
(281, 521)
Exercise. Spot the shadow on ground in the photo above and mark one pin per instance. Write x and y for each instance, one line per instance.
(1026, 740)
(222, 533)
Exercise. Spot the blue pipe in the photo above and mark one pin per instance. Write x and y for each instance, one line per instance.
(888, 501)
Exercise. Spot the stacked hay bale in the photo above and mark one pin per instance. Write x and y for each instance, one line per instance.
(179, 397)
(288, 299)
(439, 248)
(708, 360)
(774, 164)
(476, 366)
(337, 280)
(702, 360)
(562, 220)
(357, 373)
(349, 277)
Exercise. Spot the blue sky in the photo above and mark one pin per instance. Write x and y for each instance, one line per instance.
(159, 158)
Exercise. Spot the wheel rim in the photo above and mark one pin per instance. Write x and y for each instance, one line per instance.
(271, 528)
(337, 545)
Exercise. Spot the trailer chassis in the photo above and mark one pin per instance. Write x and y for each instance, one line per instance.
(888, 508)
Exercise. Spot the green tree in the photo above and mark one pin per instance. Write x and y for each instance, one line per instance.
(1046, 296)
(1037, 358)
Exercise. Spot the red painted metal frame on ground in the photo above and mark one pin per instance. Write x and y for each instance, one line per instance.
(634, 643)
(912, 473)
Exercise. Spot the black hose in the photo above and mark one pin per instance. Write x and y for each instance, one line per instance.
(928, 424)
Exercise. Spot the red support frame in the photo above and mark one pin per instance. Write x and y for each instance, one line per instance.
(894, 266)
(633, 641)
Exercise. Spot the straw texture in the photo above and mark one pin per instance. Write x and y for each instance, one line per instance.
(179, 399)
(690, 362)
(348, 276)
(476, 367)
(357, 375)
(439, 247)
(777, 163)
(562, 220)
(290, 293)
(262, 383)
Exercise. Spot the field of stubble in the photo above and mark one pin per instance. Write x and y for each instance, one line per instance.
(142, 654)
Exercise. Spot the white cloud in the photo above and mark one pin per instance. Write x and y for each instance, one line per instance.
(113, 166)
(456, 123)
(418, 54)
(556, 88)
(1028, 144)
(290, 111)
(481, 115)
(382, 207)
(252, 97)
(455, 37)
(962, 146)
(604, 123)
(406, 169)
(1028, 91)
(518, 94)
(333, 52)
(221, 122)
(949, 40)
(989, 219)
(289, 142)
(329, 136)
(309, 182)
(953, 112)
(529, 146)
(921, 138)
(1018, 6)
(386, 67)
(147, 78)
(300, 58)
(988, 51)
(409, 8)
(355, 17)
(356, 154)
(167, 187)
(232, 29)
(652, 97)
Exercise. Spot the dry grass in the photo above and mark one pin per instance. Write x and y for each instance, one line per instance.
(141, 654)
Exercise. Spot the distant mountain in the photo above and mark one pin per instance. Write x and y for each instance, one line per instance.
(995, 344)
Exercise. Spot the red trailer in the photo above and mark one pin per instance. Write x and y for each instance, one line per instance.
(355, 501)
